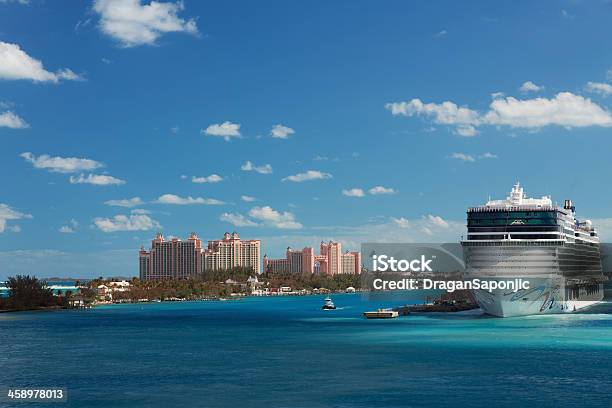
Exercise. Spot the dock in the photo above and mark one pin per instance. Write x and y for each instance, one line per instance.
(381, 314)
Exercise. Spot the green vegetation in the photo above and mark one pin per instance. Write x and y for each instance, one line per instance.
(224, 283)
(28, 293)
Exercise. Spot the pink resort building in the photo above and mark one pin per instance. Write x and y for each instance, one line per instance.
(175, 258)
(330, 261)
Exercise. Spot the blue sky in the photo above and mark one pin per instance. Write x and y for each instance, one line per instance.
(116, 100)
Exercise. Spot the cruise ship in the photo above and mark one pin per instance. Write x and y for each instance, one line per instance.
(534, 240)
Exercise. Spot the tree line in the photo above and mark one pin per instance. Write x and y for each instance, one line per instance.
(26, 292)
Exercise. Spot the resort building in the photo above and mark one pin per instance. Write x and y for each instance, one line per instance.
(173, 258)
(330, 261)
(231, 251)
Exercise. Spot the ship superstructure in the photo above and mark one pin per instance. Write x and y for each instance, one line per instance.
(532, 239)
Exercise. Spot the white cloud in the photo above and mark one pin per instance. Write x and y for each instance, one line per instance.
(599, 88)
(401, 222)
(281, 132)
(308, 175)
(379, 190)
(14, 228)
(565, 109)
(126, 202)
(11, 120)
(15, 64)
(213, 178)
(248, 166)
(472, 158)
(66, 229)
(466, 131)
(97, 180)
(462, 156)
(61, 164)
(445, 113)
(273, 218)
(140, 211)
(353, 192)
(441, 33)
(530, 87)
(7, 213)
(226, 130)
(135, 222)
(132, 23)
(437, 221)
(177, 200)
(237, 220)
(247, 198)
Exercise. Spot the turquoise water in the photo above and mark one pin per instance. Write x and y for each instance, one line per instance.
(285, 351)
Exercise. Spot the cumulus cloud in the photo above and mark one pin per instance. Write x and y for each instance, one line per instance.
(462, 156)
(599, 88)
(437, 221)
(401, 222)
(126, 202)
(213, 178)
(247, 198)
(132, 23)
(466, 131)
(226, 130)
(353, 192)
(11, 120)
(237, 220)
(96, 179)
(248, 166)
(281, 131)
(177, 200)
(564, 109)
(273, 218)
(61, 164)
(7, 213)
(15, 64)
(308, 175)
(530, 87)
(70, 228)
(487, 155)
(134, 222)
(445, 113)
(380, 190)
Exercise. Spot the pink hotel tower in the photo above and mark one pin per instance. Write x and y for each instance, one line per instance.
(331, 260)
(175, 258)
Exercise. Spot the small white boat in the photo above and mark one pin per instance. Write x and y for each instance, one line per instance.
(328, 305)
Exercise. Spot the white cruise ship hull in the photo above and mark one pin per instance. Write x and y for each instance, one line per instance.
(545, 296)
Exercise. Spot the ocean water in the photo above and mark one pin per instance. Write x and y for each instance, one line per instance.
(286, 352)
